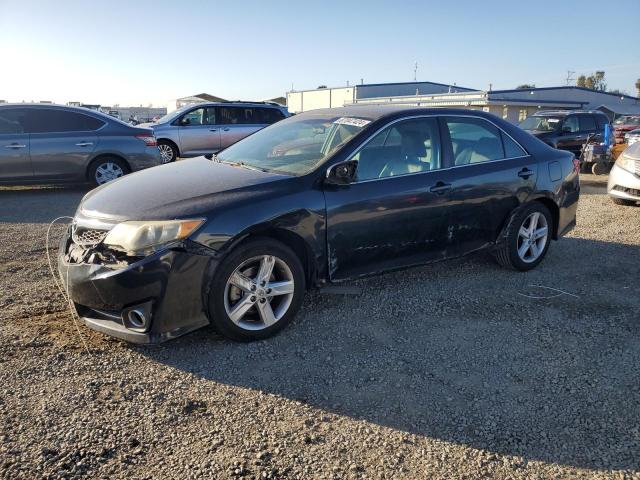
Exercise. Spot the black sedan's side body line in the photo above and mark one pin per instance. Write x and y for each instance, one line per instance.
(336, 225)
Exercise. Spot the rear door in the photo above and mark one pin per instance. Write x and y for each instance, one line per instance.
(238, 122)
(15, 164)
(199, 134)
(62, 142)
(491, 175)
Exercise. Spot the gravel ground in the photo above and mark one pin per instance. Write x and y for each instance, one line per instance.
(447, 371)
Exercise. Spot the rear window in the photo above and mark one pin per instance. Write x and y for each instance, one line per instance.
(60, 121)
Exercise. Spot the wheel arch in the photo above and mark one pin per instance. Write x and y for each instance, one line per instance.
(171, 142)
(295, 242)
(547, 202)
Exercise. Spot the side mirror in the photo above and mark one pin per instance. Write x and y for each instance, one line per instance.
(185, 121)
(342, 173)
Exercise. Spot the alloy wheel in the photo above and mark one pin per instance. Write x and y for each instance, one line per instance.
(108, 171)
(166, 153)
(532, 237)
(259, 292)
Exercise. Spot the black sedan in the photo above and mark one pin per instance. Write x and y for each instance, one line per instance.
(234, 241)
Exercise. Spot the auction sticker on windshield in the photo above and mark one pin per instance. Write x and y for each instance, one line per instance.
(355, 122)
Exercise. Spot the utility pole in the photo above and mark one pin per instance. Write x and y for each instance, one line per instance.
(415, 71)
(570, 77)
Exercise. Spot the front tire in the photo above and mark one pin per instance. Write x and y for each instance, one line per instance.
(105, 169)
(168, 152)
(527, 238)
(257, 290)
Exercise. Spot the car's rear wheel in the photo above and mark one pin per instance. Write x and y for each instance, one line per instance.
(527, 238)
(257, 290)
(168, 152)
(623, 201)
(105, 169)
(599, 168)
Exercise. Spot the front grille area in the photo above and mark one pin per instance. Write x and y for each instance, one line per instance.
(88, 236)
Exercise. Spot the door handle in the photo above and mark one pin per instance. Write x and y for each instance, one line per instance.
(213, 129)
(84, 144)
(226, 129)
(440, 188)
(15, 145)
(525, 173)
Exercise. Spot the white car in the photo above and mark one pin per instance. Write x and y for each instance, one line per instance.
(624, 178)
(632, 137)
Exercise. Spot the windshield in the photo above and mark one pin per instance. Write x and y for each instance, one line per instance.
(544, 124)
(172, 115)
(627, 121)
(295, 146)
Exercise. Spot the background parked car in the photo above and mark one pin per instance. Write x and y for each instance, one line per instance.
(59, 144)
(632, 137)
(566, 129)
(625, 124)
(207, 128)
(624, 178)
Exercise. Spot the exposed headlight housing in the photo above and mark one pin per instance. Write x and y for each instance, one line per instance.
(626, 162)
(136, 238)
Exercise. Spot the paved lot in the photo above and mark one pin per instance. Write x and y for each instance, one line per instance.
(455, 370)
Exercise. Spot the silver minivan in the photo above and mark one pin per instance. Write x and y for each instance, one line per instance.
(207, 128)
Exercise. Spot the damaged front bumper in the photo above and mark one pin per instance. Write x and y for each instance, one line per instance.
(142, 300)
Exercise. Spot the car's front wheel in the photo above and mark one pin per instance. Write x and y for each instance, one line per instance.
(168, 152)
(257, 290)
(527, 238)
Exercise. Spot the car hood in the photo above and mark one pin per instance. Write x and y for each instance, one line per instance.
(178, 190)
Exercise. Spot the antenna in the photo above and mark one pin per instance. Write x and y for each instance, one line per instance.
(415, 71)
(570, 77)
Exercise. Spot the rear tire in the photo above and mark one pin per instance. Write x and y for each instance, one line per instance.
(168, 151)
(624, 202)
(105, 169)
(527, 238)
(238, 290)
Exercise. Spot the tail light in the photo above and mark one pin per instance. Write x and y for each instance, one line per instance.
(149, 140)
(576, 165)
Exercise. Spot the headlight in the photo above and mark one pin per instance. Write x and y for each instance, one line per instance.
(140, 237)
(625, 162)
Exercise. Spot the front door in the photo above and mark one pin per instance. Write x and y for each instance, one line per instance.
(199, 134)
(571, 138)
(391, 216)
(15, 164)
(492, 175)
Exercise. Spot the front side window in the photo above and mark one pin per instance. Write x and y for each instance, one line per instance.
(295, 146)
(12, 121)
(537, 123)
(474, 140)
(199, 116)
(410, 146)
(587, 123)
(570, 125)
(60, 121)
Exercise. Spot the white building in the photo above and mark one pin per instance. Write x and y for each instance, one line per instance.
(304, 100)
(515, 105)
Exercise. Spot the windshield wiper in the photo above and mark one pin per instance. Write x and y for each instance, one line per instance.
(243, 165)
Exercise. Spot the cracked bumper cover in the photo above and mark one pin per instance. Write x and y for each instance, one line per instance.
(173, 281)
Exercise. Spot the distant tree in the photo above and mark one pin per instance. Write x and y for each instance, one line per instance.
(595, 81)
(617, 91)
(526, 86)
(638, 86)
